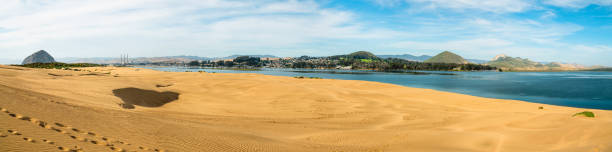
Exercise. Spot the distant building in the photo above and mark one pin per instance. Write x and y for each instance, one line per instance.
(344, 67)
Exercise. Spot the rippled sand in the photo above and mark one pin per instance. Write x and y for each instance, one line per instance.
(128, 109)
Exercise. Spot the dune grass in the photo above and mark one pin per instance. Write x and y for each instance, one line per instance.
(302, 77)
(59, 65)
(585, 113)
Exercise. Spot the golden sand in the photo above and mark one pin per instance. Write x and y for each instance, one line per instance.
(61, 110)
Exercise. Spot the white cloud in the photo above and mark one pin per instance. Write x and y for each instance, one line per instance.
(592, 49)
(518, 30)
(482, 47)
(483, 38)
(577, 4)
(158, 27)
(387, 3)
(487, 48)
(494, 6)
(548, 15)
(477, 29)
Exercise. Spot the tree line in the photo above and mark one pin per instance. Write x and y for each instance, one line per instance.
(332, 62)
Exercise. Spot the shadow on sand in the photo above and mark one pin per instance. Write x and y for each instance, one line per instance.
(145, 98)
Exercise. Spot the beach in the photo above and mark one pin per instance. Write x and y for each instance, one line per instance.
(133, 109)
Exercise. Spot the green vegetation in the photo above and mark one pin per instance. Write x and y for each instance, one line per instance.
(59, 65)
(600, 69)
(236, 68)
(194, 63)
(247, 60)
(585, 113)
(366, 60)
(302, 77)
(361, 60)
(242, 62)
(362, 55)
(447, 57)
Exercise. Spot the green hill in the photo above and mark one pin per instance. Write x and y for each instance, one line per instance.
(520, 64)
(361, 55)
(447, 57)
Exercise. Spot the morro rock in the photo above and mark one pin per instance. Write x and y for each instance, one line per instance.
(39, 57)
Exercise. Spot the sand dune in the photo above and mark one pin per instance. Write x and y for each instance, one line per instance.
(60, 110)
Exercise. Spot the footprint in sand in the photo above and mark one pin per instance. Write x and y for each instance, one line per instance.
(107, 142)
(92, 134)
(143, 148)
(34, 120)
(29, 140)
(116, 149)
(22, 117)
(60, 125)
(4, 110)
(48, 142)
(76, 149)
(14, 132)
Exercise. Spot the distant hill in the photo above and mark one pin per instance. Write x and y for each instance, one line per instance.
(503, 61)
(39, 57)
(168, 59)
(362, 55)
(447, 57)
(407, 57)
(516, 63)
(237, 55)
(356, 55)
(425, 57)
(190, 57)
(111, 60)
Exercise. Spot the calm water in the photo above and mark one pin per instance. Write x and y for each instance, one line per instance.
(576, 89)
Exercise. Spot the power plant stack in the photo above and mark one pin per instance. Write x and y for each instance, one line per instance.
(124, 59)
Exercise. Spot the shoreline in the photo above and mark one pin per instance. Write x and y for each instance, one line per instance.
(256, 112)
(533, 98)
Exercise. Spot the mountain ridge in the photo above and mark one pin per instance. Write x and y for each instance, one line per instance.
(505, 62)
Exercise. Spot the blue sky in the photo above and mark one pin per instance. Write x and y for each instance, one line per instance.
(572, 31)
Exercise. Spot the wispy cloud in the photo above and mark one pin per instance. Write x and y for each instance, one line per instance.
(577, 4)
(548, 15)
(496, 6)
(387, 3)
(159, 26)
(477, 29)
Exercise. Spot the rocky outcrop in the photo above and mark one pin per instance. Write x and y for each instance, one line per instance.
(499, 56)
(39, 57)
